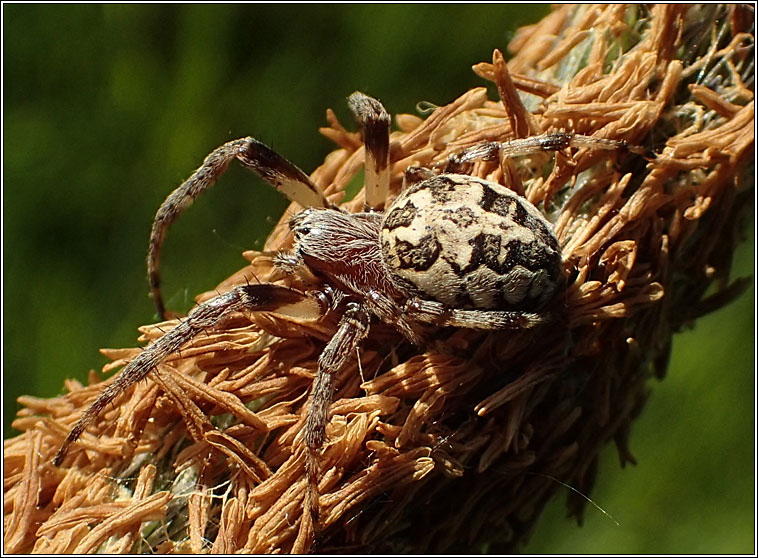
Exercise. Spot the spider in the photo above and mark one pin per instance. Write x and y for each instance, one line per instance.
(450, 250)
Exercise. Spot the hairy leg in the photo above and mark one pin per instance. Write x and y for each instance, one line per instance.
(252, 154)
(433, 312)
(353, 327)
(554, 141)
(388, 311)
(210, 314)
(375, 122)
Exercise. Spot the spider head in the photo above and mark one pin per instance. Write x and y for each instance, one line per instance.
(340, 247)
(329, 233)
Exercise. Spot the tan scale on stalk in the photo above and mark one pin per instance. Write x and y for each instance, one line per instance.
(436, 451)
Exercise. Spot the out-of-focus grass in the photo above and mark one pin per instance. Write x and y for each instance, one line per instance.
(107, 108)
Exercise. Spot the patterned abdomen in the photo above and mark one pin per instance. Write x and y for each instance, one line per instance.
(470, 243)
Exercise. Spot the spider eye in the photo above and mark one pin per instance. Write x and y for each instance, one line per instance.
(298, 220)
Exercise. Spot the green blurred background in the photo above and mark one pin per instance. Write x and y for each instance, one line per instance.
(108, 108)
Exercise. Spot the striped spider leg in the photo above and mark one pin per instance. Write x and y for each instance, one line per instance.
(252, 154)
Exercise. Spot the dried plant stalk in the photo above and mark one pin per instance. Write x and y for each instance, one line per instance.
(440, 450)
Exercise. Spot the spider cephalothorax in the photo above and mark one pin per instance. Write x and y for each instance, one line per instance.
(450, 250)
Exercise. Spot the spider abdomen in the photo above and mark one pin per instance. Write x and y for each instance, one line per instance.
(470, 243)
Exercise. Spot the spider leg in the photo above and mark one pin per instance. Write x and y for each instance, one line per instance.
(352, 328)
(414, 175)
(375, 121)
(252, 154)
(436, 313)
(554, 141)
(388, 311)
(256, 298)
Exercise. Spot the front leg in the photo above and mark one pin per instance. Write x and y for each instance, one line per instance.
(251, 298)
(352, 328)
(252, 154)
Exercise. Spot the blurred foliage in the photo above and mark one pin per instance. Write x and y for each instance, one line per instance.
(107, 108)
